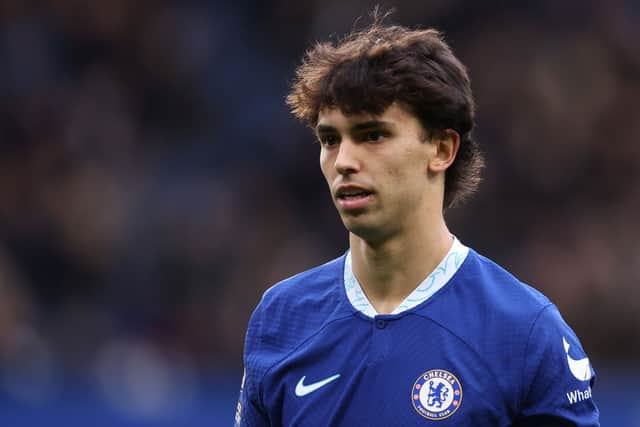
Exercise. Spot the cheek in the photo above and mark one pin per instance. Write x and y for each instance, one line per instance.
(402, 172)
(407, 178)
(325, 166)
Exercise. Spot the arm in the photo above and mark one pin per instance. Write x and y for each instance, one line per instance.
(557, 377)
(250, 411)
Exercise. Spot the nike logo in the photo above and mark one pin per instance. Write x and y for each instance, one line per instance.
(303, 390)
(579, 368)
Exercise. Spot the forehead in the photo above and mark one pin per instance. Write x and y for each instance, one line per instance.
(395, 114)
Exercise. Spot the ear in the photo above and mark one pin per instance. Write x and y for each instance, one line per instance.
(445, 144)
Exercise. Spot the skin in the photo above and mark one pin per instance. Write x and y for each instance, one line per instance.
(398, 234)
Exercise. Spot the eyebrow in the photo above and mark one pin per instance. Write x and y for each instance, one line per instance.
(358, 127)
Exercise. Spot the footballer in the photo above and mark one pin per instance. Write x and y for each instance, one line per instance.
(409, 327)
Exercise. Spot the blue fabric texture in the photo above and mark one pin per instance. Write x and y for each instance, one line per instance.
(484, 350)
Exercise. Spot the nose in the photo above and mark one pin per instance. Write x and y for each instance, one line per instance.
(347, 160)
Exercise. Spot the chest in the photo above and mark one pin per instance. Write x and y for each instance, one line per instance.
(380, 372)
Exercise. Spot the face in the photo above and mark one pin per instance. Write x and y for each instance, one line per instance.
(377, 168)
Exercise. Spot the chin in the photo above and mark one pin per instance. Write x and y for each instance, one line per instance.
(366, 230)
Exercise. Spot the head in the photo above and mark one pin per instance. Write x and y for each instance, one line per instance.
(384, 67)
(371, 69)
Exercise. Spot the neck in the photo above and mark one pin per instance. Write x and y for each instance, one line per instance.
(389, 271)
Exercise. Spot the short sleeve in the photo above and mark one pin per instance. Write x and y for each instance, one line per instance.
(558, 378)
(249, 410)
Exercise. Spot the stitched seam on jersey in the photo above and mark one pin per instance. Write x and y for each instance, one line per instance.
(486, 365)
(260, 385)
(522, 397)
(260, 380)
(268, 370)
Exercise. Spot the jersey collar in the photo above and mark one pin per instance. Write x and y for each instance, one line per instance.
(429, 286)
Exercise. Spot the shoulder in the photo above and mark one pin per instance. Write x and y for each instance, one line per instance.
(521, 337)
(551, 376)
(293, 310)
(497, 290)
(309, 286)
(490, 310)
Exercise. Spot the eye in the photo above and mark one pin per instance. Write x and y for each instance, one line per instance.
(328, 139)
(373, 136)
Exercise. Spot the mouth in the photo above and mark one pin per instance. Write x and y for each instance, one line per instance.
(350, 198)
(353, 195)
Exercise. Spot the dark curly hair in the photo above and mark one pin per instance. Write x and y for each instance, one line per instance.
(370, 69)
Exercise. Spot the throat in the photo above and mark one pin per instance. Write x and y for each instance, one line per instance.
(389, 275)
(386, 296)
(387, 306)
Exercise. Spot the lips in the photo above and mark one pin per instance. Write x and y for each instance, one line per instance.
(351, 197)
(351, 191)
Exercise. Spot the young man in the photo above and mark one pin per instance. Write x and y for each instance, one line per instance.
(410, 327)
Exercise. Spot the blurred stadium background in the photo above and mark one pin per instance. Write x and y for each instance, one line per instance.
(153, 185)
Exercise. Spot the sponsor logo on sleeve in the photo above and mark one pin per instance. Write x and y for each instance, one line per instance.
(239, 405)
(580, 368)
(579, 395)
(238, 413)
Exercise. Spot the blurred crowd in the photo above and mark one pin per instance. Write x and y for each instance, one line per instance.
(153, 183)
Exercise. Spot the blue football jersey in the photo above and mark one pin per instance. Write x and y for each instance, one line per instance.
(471, 346)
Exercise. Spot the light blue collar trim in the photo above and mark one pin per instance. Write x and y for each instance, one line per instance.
(429, 286)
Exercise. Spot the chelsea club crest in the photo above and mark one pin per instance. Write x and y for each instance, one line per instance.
(436, 394)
